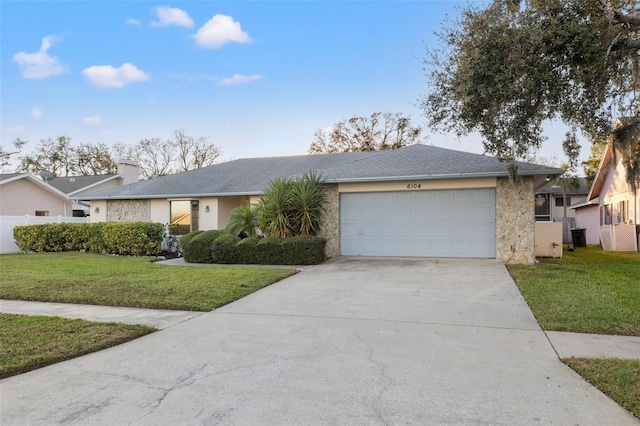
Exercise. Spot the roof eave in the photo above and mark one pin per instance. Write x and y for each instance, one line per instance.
(166, 196)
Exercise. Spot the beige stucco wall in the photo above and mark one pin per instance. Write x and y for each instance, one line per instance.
(515, 230)
(208, 220)
(24, 197)
(226, 205)
(101, 214)
(128, 211)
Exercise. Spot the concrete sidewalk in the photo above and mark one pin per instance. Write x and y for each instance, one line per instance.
(352, 341)
(594, 345)
(158, 318)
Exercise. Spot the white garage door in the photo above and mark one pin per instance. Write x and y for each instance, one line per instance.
(447, 223)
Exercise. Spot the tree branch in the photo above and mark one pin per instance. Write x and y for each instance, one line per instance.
(632, 19)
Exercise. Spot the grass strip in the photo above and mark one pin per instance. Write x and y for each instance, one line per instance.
(128, 281)
(30, 342)
(617, 378)
(586, 291)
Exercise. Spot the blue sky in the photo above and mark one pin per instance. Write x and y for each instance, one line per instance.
(256, 78)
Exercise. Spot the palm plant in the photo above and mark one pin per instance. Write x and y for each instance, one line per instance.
(307, 200)
(274, 209)
(243, 221)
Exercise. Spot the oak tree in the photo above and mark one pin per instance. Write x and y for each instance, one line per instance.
(504, 69)
(380, 131)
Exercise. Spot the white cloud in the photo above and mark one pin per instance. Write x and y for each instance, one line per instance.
(93, 120)
(132, 21)
(238, 79)
(172, 16)
(14, 129)
(36, 112)
(220, 30)
(40, 64)
(108, 77)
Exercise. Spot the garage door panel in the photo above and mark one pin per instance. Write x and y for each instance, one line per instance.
(442, 213)
(405, 215)
(386, 215)
(483, 214)
(405, 231)
(369, 200)
(424, 231)
(350, 215)
(423, 198)
(447, 223)
(424, 215)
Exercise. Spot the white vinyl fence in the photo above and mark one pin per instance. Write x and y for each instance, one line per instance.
(7, 223)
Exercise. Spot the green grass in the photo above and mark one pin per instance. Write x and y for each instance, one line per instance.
(30, 342)
(127, 281)
(618, 378)
(586, 291)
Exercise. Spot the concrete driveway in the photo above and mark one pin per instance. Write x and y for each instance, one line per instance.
(353, 341)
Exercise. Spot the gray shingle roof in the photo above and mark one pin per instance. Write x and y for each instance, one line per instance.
(5, 176)
(71, 184)
(553, 188)
(252, 175)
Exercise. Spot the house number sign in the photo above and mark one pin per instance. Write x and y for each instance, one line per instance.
(414, 186)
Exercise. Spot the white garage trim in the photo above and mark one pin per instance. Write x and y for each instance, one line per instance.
(431, 223)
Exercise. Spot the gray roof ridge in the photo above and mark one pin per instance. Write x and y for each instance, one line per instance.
(374, 153)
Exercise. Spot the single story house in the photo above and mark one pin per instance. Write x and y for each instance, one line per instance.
(414, 201)
(618, 212)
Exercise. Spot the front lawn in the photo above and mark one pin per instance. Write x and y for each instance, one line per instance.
(618, 378)
(30, 342)
(128, 281)
(586, 291)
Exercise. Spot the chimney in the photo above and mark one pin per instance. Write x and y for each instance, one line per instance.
(129, 170)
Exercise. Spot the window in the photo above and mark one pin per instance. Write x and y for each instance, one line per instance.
(559, 202)
(184, 215)
(42, 212)
(542, 207)
(605, 214)
(623, 211)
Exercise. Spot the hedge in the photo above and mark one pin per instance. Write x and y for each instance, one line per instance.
(196, 246)
(126, 238)
(217, 247)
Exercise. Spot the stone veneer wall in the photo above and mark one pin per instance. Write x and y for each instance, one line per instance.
(515, 221)
(127, 211)
(330, 222)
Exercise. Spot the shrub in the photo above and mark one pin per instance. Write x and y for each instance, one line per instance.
(133, 238)
(243, 221)
(218, 247)
(245, 250)
(292, 207)
(303, 250)
(223, 249)
(196, 246)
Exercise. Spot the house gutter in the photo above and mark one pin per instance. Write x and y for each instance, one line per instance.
(551, 172)
(163, 196)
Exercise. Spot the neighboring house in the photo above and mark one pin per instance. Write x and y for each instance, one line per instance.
(25, 194)
(414, 201)
(618, 212)
(74, 186)
(549, 204)
(587, 215)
